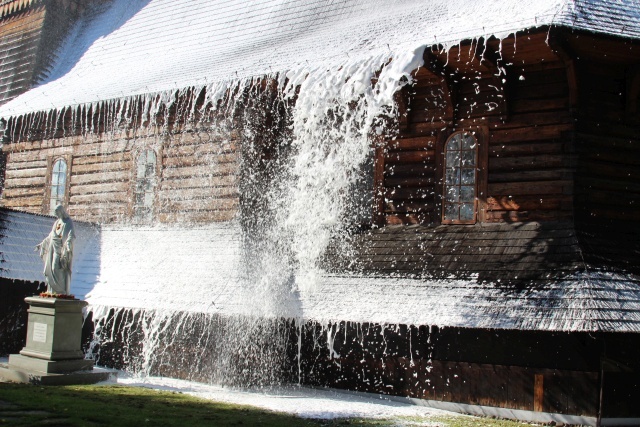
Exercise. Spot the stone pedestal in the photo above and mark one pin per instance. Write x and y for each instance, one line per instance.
(54, 335)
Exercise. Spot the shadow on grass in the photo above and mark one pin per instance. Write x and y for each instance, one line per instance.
(115, 405)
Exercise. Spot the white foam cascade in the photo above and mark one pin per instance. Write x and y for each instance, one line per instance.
(337, 112)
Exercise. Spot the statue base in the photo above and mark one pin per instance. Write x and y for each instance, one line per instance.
(53, 353)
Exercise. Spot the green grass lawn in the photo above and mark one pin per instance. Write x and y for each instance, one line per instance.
(115, 405)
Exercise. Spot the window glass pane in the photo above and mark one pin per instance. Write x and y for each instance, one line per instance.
(467, 193)
(450, 212)
(142, 165)
(151, 157)
(148, 199)
(453, 159)
(58, 184)
(453, 176)
(468, 142)
(468, 158)
(60, 166)
(466, 211)
(468, 176)
(145, 185)
(454, 143)
(453, 194)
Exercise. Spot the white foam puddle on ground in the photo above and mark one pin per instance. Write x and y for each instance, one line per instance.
(301, 401)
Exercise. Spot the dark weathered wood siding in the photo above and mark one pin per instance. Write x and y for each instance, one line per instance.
(524, 116)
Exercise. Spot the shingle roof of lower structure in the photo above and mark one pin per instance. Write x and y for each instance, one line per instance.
(497, 252)
(510, 276)
(135, 47)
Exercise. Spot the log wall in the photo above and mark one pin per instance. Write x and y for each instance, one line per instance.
(197, 176)
(519, 106)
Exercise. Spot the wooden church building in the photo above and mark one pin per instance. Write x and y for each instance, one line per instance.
(492, 266)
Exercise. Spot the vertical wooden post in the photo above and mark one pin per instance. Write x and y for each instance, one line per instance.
(538, 393)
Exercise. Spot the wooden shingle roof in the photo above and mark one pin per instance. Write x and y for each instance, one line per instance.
(139, 47)
(496, 252)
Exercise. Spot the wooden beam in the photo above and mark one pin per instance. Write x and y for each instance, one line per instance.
(538, 393)
(504, 76)
(439, 70)
(560, 47)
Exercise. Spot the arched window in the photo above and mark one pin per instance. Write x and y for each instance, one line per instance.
(460, 179)
(58, 184)
(144, 192)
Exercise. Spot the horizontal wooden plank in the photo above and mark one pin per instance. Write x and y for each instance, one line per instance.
(99, 212)
(84, 149)
(530, 188)
(520, 163)
(624, 158)
(25, 182)
(91, 199)
(589, 183)
(198, 193)
(9, 193)
(101, 158)
(533, 105)
(408, 207)
(413, 156)
(603, 212)
(398, 182)
(409, 193)
(542, 91)
(425, 142)
(218, 204)
(533, 119)
(607, 170)
(199, 149)
(526, 203)
(521, 216)
(23, 202)
(405, 219)
(199, 182)
(607, 141)
(100, 177)
(92, 168)
(531, 147)
(615, 200)
(200, 171)
(528, 134)
(12, 174)
(15, 163)
(412, 170)
(110, 187)
(197, 216)
(427, 128)
(195, 160)
(531, 175)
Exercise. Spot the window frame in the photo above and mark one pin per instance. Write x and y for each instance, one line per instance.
(135, 155)
(51, 162)
(480, 133)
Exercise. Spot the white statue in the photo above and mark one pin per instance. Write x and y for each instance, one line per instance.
(56, 250)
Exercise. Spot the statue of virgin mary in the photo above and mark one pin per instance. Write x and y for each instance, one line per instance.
(56, 250)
